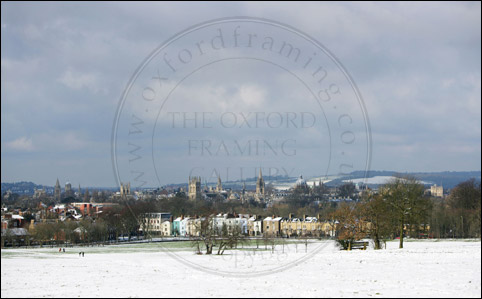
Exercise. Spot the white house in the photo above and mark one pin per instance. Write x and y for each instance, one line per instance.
(183, 224)
(151, 222)
(166, 228)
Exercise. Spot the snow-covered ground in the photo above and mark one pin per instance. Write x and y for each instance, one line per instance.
(426, 268)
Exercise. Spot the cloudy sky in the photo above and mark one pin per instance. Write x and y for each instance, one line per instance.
(65, 68)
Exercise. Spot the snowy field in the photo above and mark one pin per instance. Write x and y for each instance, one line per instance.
(426, 268)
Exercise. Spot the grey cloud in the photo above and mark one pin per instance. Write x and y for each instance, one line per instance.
(64, 67)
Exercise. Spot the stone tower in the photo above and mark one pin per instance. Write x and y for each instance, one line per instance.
(219, 187)
(57, 190)
(194, 186)
(125, 189)
(68, 189)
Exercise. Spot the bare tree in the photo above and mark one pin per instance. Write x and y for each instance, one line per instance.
(405, 195)
(196, 242)
(228, 238)
(222, 239)
(379, 214)
(352, 226)
(268, 239)
(464, 203)
(206, 235)
(43, 233)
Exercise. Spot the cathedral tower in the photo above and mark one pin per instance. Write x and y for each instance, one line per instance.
(194, 186)
(68, 189)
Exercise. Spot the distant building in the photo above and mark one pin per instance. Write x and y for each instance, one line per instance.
(219, 187)
(255, 225)
(301, 182)
(437, 191)
(57, 191)
(307, 226)
(183, 224)
(92, 209)
(166, 229)
(152, 223)
(260, 187)
(68, 190)
(230, 221)
(39, 193)
(272, 226)
(125, 189)
(194, 188)
(86, 208)
(175, 226)
(194, 226)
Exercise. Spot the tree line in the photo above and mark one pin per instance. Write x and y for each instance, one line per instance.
(399, 208)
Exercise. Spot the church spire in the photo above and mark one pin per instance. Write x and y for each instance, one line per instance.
(260, 186)
(219, 187)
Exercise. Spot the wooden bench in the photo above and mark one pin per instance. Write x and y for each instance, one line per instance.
(357, 245)
(352, 245)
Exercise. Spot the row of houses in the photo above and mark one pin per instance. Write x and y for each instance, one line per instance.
(163, 224)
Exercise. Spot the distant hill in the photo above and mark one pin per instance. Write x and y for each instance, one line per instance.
(23, 187)
(29, 188)
(447, 179)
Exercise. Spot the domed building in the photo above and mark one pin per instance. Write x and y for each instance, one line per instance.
(301, 187)
(300, 182)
